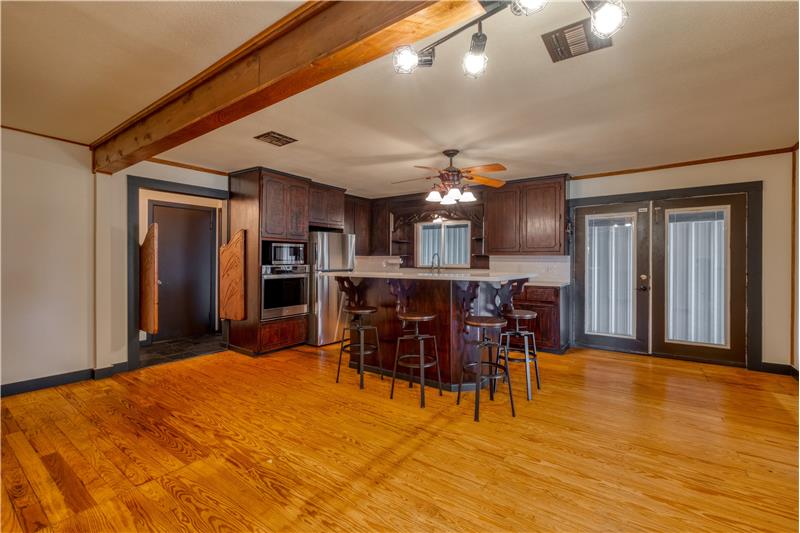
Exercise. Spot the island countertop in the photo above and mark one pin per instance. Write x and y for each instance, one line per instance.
(480, 275)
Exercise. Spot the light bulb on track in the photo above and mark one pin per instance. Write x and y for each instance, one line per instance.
(405, 59)
(608, 17)
(527, 7)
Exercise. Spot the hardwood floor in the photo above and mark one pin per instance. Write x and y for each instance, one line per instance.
(226, 442)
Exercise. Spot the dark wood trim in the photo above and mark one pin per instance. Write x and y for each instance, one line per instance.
(42, 383)
(271, 171)
(107, 372)
(685, 163)
(754, 191)
(44, 135)
(186, 165)
(135, 183)
(776, 368)
(794, 372)
(313, 44)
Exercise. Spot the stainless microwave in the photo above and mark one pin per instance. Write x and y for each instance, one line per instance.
(285, 253)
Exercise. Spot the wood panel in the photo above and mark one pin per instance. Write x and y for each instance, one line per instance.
(542, 220)
(316, 43)
(356, 221)
(297, 214)
(502, 220)
(274, 208)
(380, 230)
(326, 206)
(277, 334)
(148, 281)
(274, 444)
(232, 278)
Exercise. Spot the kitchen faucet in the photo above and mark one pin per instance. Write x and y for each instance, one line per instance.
(438, 262)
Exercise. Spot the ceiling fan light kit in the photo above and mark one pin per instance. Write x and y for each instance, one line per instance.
(450, 190)
(607, 16)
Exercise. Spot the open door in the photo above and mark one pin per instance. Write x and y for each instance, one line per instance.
(148, 281)
(231, 278)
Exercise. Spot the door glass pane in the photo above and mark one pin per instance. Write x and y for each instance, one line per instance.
(610, 284)
(456, 244)
(697, 272)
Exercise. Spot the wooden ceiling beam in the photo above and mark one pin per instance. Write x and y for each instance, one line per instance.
(317, 42)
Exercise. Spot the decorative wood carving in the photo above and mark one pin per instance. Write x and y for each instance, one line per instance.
(465, 294)
(505, 294)
(231, 278)
(402, 290)
(148, 281)
(354, 293)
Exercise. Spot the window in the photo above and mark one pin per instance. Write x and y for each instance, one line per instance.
(448, 238)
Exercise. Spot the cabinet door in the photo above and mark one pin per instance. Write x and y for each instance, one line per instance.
(316, 205)
(334, 208)
(297, 212)
(361, 214)
(274, 200)
(502, 221)
(542, 221)
(379, 228)
(350, 215)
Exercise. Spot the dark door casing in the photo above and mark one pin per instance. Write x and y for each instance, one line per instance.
(186, 269)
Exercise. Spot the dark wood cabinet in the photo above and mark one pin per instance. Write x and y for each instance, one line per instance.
(551, 325)
(380, 231)
(284, 207)
(502, 220)
(326, 206)
(527, 217)
(277, 334)
(356, 221)
(542, 223)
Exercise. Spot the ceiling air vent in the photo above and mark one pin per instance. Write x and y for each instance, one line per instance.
(275, 138)
(573, 40)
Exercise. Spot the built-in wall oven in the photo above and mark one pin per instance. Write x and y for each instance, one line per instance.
(284, 290)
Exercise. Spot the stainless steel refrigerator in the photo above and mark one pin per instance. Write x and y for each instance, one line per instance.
(329, 252)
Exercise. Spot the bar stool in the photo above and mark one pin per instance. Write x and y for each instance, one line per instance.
(496, 370)
(357, 314)
(521, 332)
(422, 361)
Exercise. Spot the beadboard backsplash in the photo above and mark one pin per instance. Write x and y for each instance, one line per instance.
(547, 267)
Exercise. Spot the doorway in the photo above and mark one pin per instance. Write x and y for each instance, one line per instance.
(668, 276)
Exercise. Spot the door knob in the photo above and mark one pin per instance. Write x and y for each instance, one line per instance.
(159, 282)
(643, 288)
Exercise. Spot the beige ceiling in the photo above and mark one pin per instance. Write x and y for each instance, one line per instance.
(77, 69)
(682, 81)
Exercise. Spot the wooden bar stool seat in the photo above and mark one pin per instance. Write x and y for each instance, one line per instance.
(420, 360)
(360, 309)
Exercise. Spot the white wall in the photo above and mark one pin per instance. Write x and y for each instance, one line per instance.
(776, 173)
(47, 252)
(64, 255)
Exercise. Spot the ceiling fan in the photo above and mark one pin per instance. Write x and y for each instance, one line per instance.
(450, 189)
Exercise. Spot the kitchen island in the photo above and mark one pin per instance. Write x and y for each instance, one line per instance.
(451, 296)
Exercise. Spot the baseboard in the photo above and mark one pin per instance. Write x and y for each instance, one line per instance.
(29, 385)
(107, 372)
(776, 368)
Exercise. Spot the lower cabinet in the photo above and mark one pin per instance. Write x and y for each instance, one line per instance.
(280, 333)
(551, 325)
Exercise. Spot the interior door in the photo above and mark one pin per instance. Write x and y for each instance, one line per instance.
(700, 278)
(612, 276)
(186, 263)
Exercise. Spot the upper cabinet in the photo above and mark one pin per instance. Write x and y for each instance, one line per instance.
(326, 206)
(380, 231)
(356, 221)
(527, 217)
(284, 207)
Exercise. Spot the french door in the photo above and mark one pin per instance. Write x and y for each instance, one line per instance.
(666, 277)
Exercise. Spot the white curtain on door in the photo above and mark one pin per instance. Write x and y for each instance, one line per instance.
(610, 249)
(697, 252)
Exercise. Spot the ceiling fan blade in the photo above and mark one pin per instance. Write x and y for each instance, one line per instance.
(491, 167)
(483, 180)
(415, 179)
(428, 168)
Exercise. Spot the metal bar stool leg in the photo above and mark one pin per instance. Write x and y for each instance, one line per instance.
(394, 370)
(438, 371)
(528, 368)
(361, 357)
(341, 350)
(510, 394)
(478, 392)
(378, 351)
(422, 372)
(536, 363)
(460, 381)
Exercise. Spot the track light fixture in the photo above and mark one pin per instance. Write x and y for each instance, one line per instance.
(474, 62)
(608, 17)
(527, 7)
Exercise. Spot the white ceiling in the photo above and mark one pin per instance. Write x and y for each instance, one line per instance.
(78, 69)
(683, 81)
